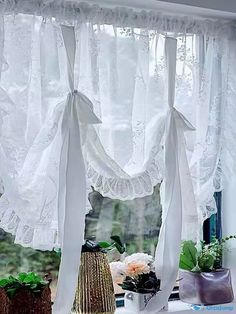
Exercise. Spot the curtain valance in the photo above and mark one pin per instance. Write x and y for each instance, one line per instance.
(74, 11)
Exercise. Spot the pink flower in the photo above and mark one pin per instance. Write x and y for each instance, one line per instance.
(137, 268)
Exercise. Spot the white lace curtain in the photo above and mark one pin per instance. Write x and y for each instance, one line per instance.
(116, 62)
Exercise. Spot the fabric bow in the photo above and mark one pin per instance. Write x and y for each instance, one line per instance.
(72, 183)
(84, 108)
(177, 190)
(181, 120)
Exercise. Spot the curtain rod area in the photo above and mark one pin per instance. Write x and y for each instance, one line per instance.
(78, 12)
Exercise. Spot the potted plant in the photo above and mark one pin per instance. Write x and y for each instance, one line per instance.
(202, 278)
(95, 293)
(25, 293)
(137, 277)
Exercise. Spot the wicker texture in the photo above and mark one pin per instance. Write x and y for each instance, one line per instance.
(25, 302)
(4, 302)
(95, 294)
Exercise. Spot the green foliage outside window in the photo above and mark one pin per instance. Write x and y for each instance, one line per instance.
(15, 258)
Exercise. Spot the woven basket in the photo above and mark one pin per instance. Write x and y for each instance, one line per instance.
(4, 302)
(25, 302)
(95, 293)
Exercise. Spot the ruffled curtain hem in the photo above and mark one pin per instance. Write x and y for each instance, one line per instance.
(40, 237)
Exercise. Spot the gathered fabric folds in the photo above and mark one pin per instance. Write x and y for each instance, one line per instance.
(103, 97)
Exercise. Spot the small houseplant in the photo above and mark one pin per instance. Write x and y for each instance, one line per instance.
(202, 278)
(137, 277)
(25, 293)
(95, 293)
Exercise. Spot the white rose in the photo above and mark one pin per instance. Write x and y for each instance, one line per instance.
(139, 257)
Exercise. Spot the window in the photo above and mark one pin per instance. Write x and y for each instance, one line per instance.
(212, 226)
(15, 258)
(136, 221)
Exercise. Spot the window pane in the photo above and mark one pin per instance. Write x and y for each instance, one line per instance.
(15, 258)
(137, 222)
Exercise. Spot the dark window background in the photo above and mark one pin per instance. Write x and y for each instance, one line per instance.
(212, 226)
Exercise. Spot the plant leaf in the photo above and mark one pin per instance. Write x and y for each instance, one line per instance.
(11, 292)
(104, 244)
(118, 244)
(33, 286)
(188, 256)
(22, 276)
(116, 239)
(120, 249)
(206, 262)
(3, 283)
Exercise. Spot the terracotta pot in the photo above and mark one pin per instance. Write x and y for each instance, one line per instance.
(95, 293)
(206, 288)
(25, 302)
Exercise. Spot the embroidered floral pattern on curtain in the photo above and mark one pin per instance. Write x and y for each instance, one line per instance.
(120, 66)
(131, 104)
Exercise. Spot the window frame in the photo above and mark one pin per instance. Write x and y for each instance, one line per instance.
(212, 227)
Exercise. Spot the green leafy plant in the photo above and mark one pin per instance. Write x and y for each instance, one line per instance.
(202, 257)
(30, 281)
(115, 244)
(188, 256)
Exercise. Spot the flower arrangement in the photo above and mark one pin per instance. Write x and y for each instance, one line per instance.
(136, 273)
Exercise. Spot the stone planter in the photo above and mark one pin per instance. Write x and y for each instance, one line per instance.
(136, 302)
(25, 302)
(95, 293)
(206, 288)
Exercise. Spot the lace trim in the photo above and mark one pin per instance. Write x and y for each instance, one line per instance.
(39, 237)
(119, 16)
(111, 181)
(126, 189)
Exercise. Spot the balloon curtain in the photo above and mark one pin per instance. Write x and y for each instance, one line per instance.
(118, 100)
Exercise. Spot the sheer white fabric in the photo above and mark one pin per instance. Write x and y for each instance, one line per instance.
(119, 70)
(132, 131)
(122, 71)
(228, 155)
(205, 163)
(177, 189)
